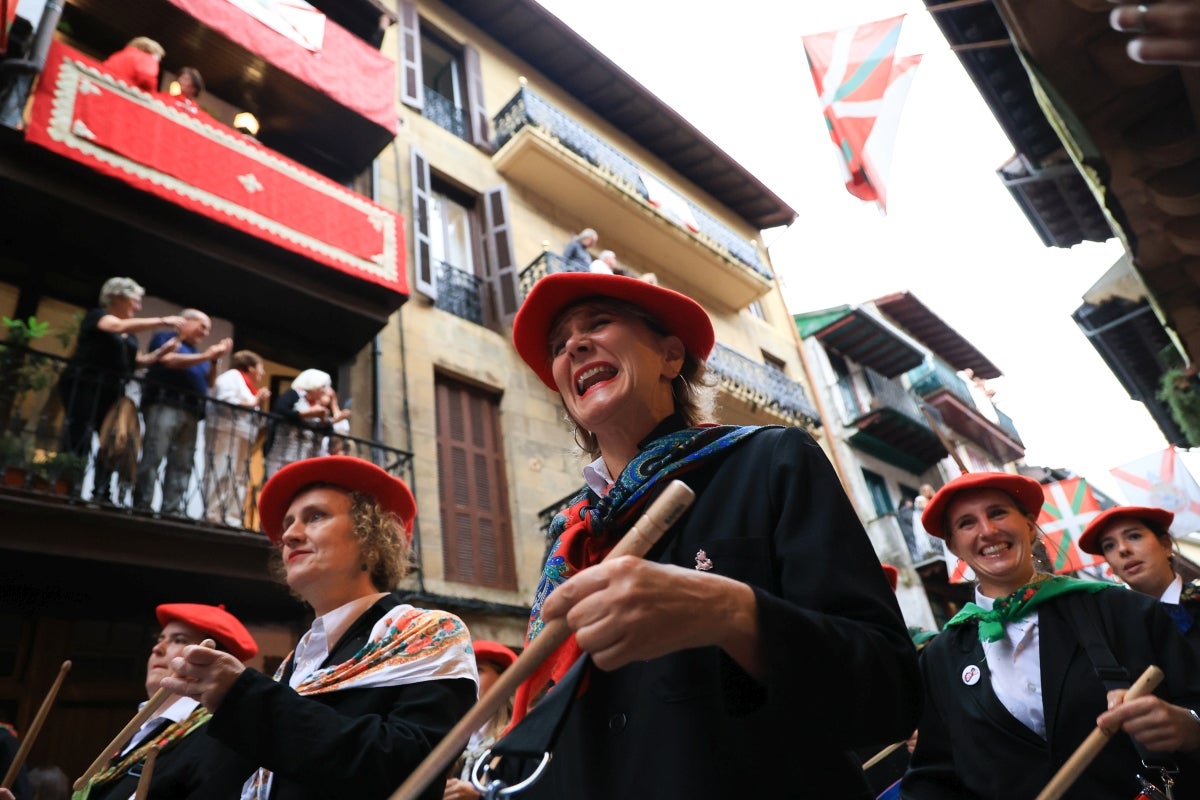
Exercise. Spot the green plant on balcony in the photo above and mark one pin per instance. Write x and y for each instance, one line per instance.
(61, 469)
(1179, 388)
(21, 370)
(14, 459)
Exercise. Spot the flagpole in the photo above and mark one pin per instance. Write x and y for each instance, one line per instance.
(990, 43)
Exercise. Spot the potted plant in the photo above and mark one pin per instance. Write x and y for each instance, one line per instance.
(64, 471)
(14, 459)
(22, 370)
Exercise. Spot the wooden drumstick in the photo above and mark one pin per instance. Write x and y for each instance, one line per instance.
(143, 784)
(35, 728)
(131, 727)
(1094, 743)
(881, 755)
(637, 541)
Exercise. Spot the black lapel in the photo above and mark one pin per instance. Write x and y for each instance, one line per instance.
(980, 697)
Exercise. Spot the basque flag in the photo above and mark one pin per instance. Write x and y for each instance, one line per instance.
(1162, 480)
(1068, 508)
(862, 86)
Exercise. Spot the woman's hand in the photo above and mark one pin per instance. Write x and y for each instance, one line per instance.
(1153, 722)
(204, 674)
(459, 790)
(154, 356)
(629, 609)
(1168, 32)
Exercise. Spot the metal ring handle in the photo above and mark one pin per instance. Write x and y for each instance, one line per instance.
(478, 775)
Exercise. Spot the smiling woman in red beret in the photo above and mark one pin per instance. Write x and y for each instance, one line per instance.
(1010, 685)
(373, 685)
(186, 755)
(763, 610)
(1136, 542)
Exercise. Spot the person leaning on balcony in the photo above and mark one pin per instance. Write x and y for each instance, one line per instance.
(1012, 683)
(230, 428)
(136, 63)
(605, 263)
(173, 403)
(191, 86)
(1136, 542)
(106, 353)
(185, 755)
(576, 252)
(1168, 31)
(759, 644)
(306, 418)
(372, 686)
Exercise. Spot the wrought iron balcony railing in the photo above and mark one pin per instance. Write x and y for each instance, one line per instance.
(1006, 424)
(539, 268)
(58, 438)
(528, 108)
(442, 112)
(762, 385)
(890, 393)
(459, 293)
(934, 375)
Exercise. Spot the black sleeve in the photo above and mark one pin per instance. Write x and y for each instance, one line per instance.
(932, 774)
(350, 743)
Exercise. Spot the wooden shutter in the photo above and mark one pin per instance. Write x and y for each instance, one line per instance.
(477, 542)
(412, 82)
(477, 116)
(425, 278)
(502, 264)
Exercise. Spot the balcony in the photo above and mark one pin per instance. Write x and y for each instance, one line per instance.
(891, 425)
(542, 147)
(442, 112)
(460, 293)
(80, 484)
(943, 389)
(237, 222)
(761, 387)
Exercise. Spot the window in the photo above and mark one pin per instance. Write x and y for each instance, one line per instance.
(879, 493)
(476, 530)
(756, 310)
(772, 362)
(462, 248)
(442, 79)
(845, 383)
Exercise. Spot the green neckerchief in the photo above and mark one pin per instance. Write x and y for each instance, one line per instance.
(1020, 603)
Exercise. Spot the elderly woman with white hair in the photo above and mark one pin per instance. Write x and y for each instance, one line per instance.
(106, 352)
(303, 420)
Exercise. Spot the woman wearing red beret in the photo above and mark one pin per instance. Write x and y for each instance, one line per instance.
(758, 644)
(1136, 542)
(372, 686)
(185, 755)
(1018, 679)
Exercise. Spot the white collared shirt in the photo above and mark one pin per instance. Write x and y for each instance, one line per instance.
(596, 476)
(1173, 591)
(326, 629)
(178, 711)
(1016, 666)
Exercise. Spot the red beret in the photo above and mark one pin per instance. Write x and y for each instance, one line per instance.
(1089, 540)
(1025, 491)
(346, 472)
(493, 652)
(214, 621)
(677, 313)
(892, 574)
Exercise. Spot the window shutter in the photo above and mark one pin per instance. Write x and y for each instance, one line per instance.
(477, 116)
(476, 530)
(422, 207)
(412, 82)
(501, 259)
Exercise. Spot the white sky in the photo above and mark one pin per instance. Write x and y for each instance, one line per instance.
(953, 235)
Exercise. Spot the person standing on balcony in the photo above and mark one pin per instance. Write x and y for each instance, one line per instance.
(173, 401)
(230, 427)
(606, 264)
(306, 418)
(1136, 542)
(763, 610)
(191, 86)
(372, 686)
(576, 252)
(1018, 679)
(137, 63)
(185, 754)
(106, 353)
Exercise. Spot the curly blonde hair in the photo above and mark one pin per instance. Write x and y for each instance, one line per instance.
(381, 537)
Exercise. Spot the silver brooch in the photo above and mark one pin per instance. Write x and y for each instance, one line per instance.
(703, 562)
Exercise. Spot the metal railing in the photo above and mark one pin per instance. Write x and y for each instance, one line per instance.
(545, 264)
(889, 392)
(442, 112)
(1006, 424)
(528, 108)
(459, 293)
(934, 375)
(762, 385)
(180, 457)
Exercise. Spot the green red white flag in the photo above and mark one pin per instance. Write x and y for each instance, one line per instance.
(862, 86)
(1068, 508)
(1161, 480)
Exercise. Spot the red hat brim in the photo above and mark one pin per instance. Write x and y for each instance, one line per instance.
(892, 574)
(493, 652)
(213, 621)
(346, 472)
(1025, 491)
(679, 314)
(1089, 540)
